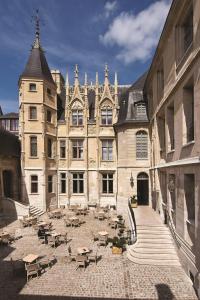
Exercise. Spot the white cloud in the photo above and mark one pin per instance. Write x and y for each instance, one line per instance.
(137, 35)
(109, 8)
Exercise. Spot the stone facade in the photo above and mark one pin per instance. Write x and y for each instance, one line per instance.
(173, 91)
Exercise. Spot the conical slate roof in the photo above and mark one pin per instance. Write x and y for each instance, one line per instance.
(37, 66)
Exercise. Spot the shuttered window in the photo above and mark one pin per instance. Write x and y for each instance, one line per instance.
(141, 111)
(141, 145)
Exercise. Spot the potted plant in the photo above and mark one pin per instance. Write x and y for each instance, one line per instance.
(118, 245)
(134, 203)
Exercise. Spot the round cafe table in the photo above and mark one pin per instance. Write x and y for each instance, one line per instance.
(103, 233)
(83, 250)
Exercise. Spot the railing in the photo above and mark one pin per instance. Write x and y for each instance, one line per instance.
(172, 228)
(132, 222)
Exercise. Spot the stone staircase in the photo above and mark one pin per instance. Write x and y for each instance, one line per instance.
(154, 246)
(35, 212)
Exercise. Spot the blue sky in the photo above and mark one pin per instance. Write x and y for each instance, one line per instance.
(122, 33)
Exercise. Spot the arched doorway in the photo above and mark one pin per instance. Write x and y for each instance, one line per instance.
(8, 183)
(143, 189)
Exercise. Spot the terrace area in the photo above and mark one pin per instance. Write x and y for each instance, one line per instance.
(112, 277)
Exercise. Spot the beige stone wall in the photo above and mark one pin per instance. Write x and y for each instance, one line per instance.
(184, 158)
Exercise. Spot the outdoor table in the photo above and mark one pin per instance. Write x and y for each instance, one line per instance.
(83, 250)
(115, 219)
(42, 223)
(4, 234)
(73, 218)
(30, 258)
(55, 234)
(103, 233)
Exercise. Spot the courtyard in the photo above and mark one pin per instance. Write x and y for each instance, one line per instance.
(113, 277)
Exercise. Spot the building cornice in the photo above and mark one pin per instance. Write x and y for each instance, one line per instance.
(177, 163)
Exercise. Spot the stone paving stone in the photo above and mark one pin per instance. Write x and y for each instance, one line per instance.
(114, 277)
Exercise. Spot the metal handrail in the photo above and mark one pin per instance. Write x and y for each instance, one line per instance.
(172, 228)
(133, 223)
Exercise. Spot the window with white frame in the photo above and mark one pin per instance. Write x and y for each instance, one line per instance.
(141, 145)
(50, 184)
(34, 184)
(63, 183)
(77, 149)
(77, 117)
(33, 146)
(62, 149)
(107, 183)
(106, 116)
(78, 183)
(107, 149)
(33, 113)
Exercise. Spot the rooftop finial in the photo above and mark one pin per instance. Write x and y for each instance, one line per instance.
(37, 20)
(86, 81)
(97, 78)
(106, 70)
(76, 71)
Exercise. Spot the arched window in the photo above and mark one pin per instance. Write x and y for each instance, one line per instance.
(141, 145)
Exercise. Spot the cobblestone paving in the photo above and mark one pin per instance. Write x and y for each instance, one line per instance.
(114, 277)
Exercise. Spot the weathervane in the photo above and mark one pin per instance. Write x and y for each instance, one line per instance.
(36, 19)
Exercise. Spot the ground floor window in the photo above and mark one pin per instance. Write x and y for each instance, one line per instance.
(78, 183)
(62, 183)
(34, 184)
(107, 183)
(189, 187)
(50, 184)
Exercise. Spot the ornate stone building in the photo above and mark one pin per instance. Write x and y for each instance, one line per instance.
(72, 136)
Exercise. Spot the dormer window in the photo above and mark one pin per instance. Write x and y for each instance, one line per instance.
(77, 117)
(32, 87)
(106, 116)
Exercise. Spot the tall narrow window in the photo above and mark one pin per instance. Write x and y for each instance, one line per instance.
(34, 184)
(62, 183)
(32, 87)
(14, 125)
(49, 115)
(33, 146)
(32, 113)
(189, 187)
(77, 149)
(141, 145)
(62, 149)
(141, 111)
(49, 148)
(107, 183)
(188, 109)
(77, 117)
(107, 150)
(106, 116)
(160, 82)
(5, 124)
(188, 31)
(50, 183)
(170, 125)
(78, 183)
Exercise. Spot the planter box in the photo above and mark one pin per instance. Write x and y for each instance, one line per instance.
(116, 250)
(134, 205)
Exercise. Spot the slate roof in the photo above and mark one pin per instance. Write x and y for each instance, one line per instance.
(10, 144)
(128, 97)
(37, 66)
(11, 115)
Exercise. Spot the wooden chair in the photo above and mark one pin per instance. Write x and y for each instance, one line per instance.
(75, 223)
(23, 223)
(52, 241)
(44, 263)
(93, 257)
(67, 222)
(63, 238)
(81, 261)
(113, 224)
(32, 269)
(71, 255)
(95, 237)
(102, 240)
(101, 216)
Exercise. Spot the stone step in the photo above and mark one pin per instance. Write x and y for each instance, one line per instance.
(152, 227)
(34, 211)
(156, 241)
(164, 230)
(153, 250)
(147, 261)
(156, 256)
(160, 236)
(150, 245)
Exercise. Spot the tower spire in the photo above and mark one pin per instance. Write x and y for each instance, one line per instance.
(76, 82)
(36, 19)
(106, 82)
